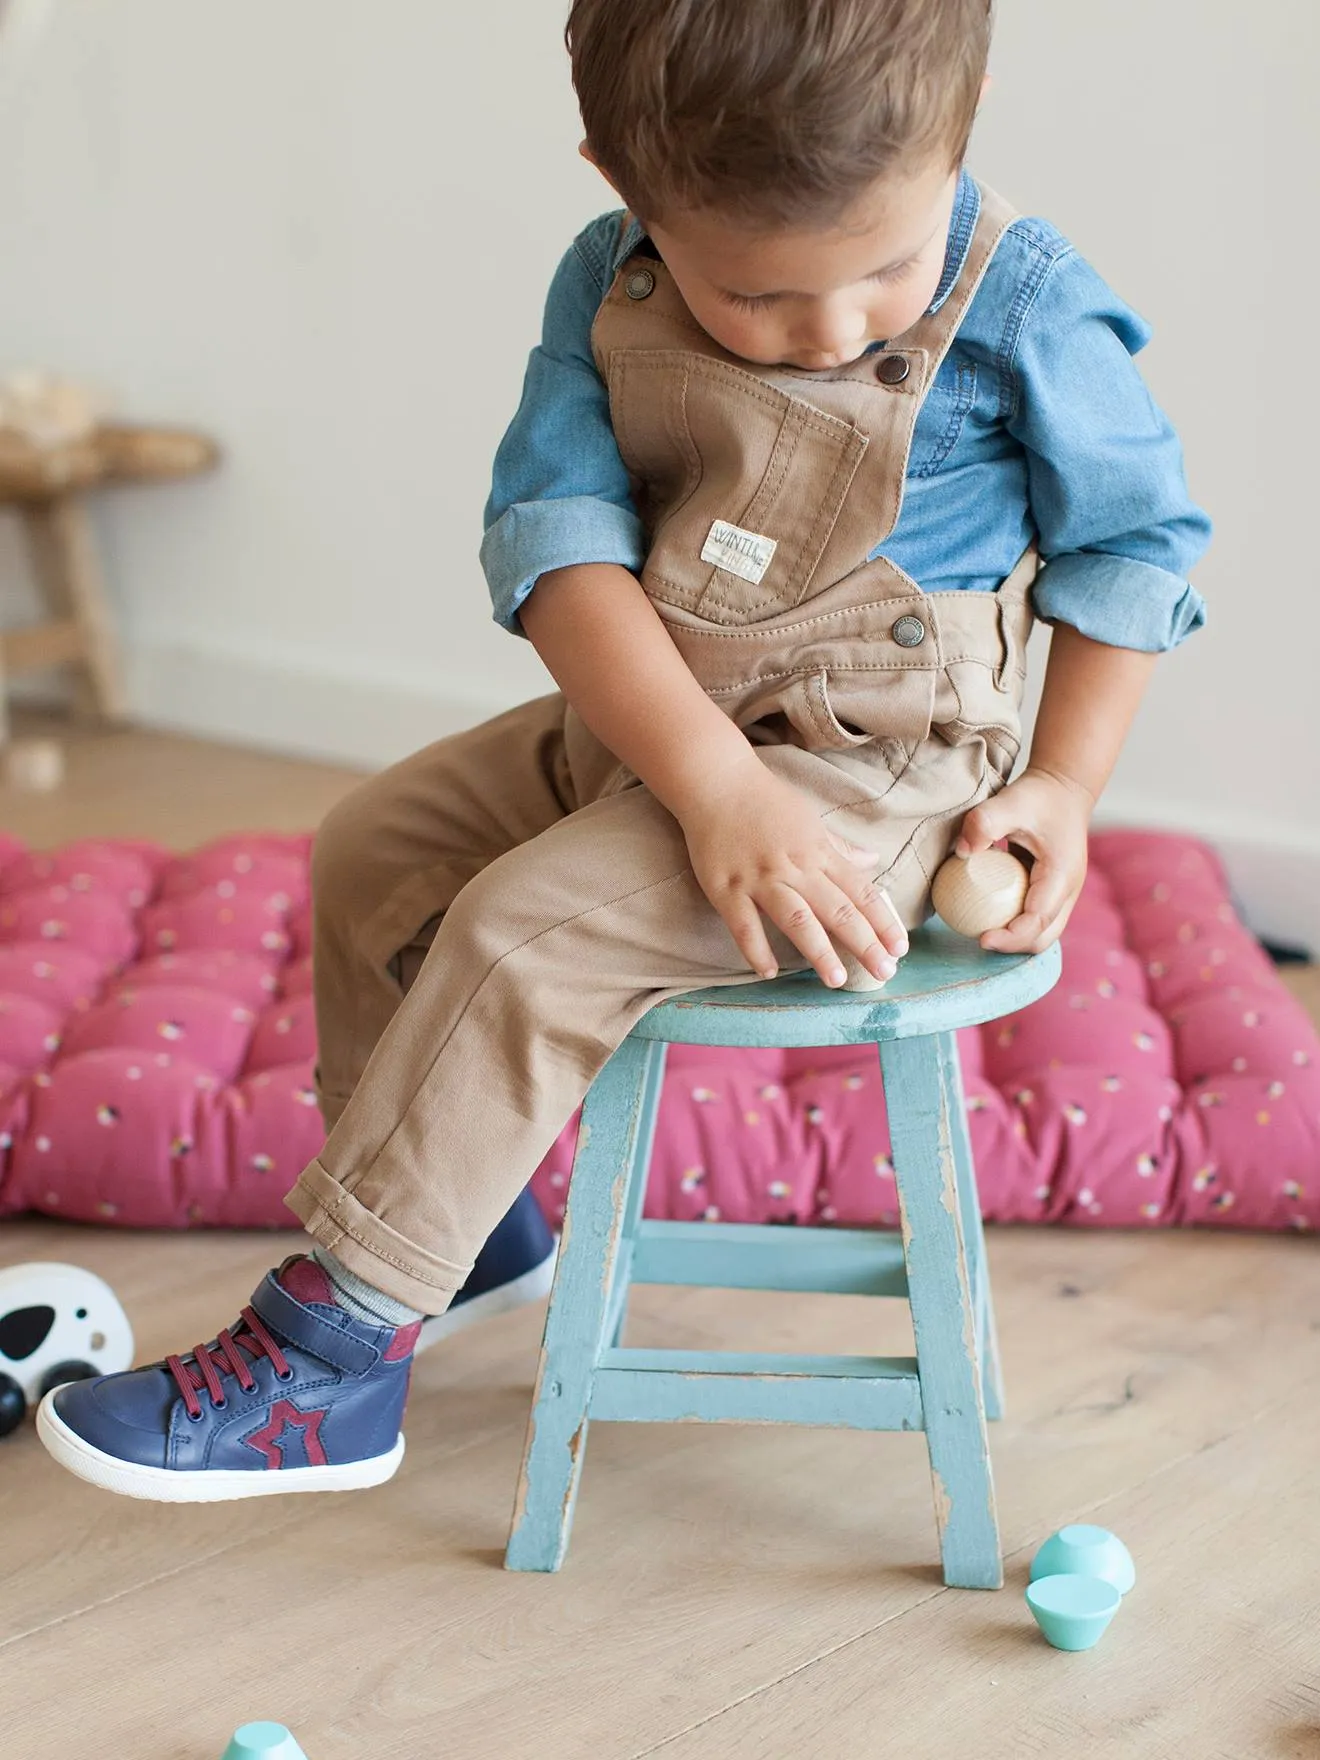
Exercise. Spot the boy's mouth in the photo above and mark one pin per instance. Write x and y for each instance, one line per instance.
(822, 363)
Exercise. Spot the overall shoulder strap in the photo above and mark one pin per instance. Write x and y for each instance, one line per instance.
(935, 331)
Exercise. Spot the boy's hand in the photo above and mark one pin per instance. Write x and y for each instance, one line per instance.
(759, 845)
(1048, 815)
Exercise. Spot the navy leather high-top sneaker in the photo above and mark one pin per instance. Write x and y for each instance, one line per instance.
(296, 1396)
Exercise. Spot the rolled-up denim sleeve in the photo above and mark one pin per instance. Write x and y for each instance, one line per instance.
(1117, 530)
(560, 492)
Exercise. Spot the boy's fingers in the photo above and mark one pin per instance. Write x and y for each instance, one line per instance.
(894, 935)
(1048, 891)
(846, 911)
(1025, 934)
(743, 921)
(872, 901)
(1015, 937)
(1043, 915)
(1054, 924)
(789, 911)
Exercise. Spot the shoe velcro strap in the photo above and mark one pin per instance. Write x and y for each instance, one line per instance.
(310, 1333)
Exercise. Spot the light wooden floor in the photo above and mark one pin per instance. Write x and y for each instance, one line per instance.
(772, 1594)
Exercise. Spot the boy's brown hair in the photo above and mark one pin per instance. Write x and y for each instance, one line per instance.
(773, 111)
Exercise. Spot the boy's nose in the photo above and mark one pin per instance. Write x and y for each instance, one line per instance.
(835, 333)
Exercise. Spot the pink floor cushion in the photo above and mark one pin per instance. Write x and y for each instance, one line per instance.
(157, 1042)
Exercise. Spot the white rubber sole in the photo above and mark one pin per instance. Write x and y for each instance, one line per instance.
(530, 1287)
(219, 1485)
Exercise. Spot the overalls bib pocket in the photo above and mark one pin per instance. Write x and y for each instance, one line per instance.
(773, 469)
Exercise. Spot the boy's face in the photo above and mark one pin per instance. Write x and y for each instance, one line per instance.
(815, 299)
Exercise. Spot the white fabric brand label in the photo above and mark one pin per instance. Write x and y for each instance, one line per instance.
(746, 554)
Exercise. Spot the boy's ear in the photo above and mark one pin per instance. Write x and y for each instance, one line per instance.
(584, 148)
(986, 83)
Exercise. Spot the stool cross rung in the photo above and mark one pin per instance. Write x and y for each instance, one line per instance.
(836, 1261)
(740, 1387)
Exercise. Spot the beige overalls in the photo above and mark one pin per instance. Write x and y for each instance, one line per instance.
(494, 914)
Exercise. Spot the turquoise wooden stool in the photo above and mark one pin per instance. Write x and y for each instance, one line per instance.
(938, 1262)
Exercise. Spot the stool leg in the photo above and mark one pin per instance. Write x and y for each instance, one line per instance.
(64, 559)
(992, 1385)
(613, 1153)
(923, 1124)
(636, 1203)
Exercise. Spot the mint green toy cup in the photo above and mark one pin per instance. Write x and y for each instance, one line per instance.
(1084, 1551)
(262, 1741)
(1073, 1612)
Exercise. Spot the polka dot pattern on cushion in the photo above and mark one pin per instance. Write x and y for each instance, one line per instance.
(157, 1042)
(154, 1071)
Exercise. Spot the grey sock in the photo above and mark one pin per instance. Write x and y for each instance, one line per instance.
(362, 1299)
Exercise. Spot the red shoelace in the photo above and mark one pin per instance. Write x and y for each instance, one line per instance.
(205, 1369)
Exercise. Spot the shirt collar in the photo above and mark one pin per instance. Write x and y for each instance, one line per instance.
(631, 234)
(962, 224)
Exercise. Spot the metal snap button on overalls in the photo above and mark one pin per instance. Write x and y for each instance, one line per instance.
(639, 284)
(909, 632)
(892, 369)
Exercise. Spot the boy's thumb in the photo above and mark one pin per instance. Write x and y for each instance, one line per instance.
(984, 826)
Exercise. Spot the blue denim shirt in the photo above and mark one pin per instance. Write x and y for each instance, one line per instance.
(1038, 427)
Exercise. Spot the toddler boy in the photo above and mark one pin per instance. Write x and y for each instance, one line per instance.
(805, 421)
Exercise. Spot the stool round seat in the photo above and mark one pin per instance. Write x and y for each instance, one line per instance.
(943, 983)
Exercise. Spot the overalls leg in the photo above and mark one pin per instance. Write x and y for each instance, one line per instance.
(394, 854)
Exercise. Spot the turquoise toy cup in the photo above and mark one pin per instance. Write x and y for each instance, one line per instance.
(1073, 1612)
(262, 1741)
(1084, 1551)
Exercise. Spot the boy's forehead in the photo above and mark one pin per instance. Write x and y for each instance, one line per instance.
(891, 224)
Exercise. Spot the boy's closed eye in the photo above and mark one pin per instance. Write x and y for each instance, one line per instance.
(759, 302)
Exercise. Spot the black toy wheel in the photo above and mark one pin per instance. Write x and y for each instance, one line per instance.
(13, 1406)
(60, 1373)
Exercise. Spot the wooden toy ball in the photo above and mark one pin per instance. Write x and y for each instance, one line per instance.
(980, 892)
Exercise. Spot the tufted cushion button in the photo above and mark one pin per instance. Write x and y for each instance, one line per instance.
(640, 284)
(909, 632)
(892, 369)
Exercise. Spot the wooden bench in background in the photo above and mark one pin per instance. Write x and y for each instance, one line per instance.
(46, 484)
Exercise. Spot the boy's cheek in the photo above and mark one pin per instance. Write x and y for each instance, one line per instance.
(750, 339)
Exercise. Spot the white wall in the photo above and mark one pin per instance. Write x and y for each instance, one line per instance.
(1176, 143)
(323, 231)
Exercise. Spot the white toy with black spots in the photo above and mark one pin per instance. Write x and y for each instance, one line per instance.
(58, 1323)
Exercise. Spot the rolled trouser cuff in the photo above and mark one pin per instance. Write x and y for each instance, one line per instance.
(338, 1222)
